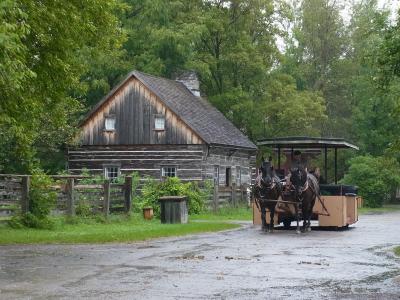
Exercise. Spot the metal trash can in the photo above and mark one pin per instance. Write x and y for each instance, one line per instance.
(173, 209)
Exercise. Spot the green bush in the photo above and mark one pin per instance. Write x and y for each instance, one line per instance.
(172, 186)
(42, 199)
(83, 208)
(377, 178)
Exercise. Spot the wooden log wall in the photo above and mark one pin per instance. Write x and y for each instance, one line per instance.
(225, 157)
(135, 108)
(147, 160)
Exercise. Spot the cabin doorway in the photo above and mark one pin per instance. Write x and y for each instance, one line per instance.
(228, 176)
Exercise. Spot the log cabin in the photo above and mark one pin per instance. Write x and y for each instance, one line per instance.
(160, 127)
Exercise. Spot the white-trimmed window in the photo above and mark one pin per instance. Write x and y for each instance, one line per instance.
(238, 176)
(111, 172)
(109, 124)
(168, 171)
(159, 123)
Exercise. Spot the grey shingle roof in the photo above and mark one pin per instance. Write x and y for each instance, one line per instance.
(209, 123)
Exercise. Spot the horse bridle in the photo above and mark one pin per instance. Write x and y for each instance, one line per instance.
(304, 187)
(266, 185)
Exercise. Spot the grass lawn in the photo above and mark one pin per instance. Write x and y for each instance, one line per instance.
(397, 250)
(385, 208)
(226, 214)
(117, 229)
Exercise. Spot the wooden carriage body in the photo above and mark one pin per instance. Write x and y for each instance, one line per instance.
(342, 212)
(338, 204)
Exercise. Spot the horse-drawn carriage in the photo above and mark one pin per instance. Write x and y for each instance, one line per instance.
(286, 200)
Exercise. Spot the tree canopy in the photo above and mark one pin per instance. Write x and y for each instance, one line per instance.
(274, 68)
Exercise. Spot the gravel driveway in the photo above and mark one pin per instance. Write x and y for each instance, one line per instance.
(240, 264)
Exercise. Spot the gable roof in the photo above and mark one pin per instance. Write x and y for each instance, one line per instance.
(203, 118)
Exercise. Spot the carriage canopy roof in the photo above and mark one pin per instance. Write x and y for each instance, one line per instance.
(306, 142)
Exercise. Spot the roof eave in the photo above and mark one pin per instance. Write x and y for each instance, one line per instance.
(308, 142)
(104, 100)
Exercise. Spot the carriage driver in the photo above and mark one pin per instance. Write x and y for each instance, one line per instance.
(296, 163)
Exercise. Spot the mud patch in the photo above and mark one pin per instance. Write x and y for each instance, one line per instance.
(190, 257)
(236, 258)
(317, 263)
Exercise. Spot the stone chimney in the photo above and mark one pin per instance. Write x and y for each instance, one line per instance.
(191, 81)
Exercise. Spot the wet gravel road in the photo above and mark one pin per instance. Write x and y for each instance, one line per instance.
(239, 264)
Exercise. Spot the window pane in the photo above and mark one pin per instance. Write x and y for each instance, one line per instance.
(159, 123)
(110, 123)
(168, 172)
(111, 172)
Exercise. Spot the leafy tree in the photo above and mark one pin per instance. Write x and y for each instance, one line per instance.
(315, 56)
(44, 50)
(376, 177)
(373, 105)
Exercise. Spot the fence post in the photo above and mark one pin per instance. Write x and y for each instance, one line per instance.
(128, 193)
(215, 197)
(25, 194)
(106, 200)
(234, 194)
(70, 197)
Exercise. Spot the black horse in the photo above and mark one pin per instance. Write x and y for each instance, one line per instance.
(306, 189)
(266, 191)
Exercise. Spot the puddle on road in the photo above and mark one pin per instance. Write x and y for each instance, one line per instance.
(381, 277)
(370, 264)
(147, 247)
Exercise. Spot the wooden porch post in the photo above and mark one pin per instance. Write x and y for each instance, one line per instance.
(215, 197)
(234, 200)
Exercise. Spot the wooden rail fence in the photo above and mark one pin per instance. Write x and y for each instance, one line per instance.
(71, 194)
(228, 196)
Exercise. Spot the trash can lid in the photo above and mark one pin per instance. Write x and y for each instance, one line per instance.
(172, 198)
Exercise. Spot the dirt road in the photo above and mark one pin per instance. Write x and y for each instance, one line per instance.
(240, 264)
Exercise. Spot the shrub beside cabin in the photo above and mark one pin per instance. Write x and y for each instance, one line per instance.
(160, 127)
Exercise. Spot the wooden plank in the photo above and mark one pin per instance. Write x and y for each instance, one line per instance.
(215, 198)
(88, 186)
(106, 201)
(25, 194)
(233, 194)
(128, 193)
(70, 197)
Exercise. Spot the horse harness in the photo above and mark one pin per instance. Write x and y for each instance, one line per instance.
(308, 186)
(260, 183)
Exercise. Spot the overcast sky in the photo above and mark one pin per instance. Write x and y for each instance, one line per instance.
(393, 5)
